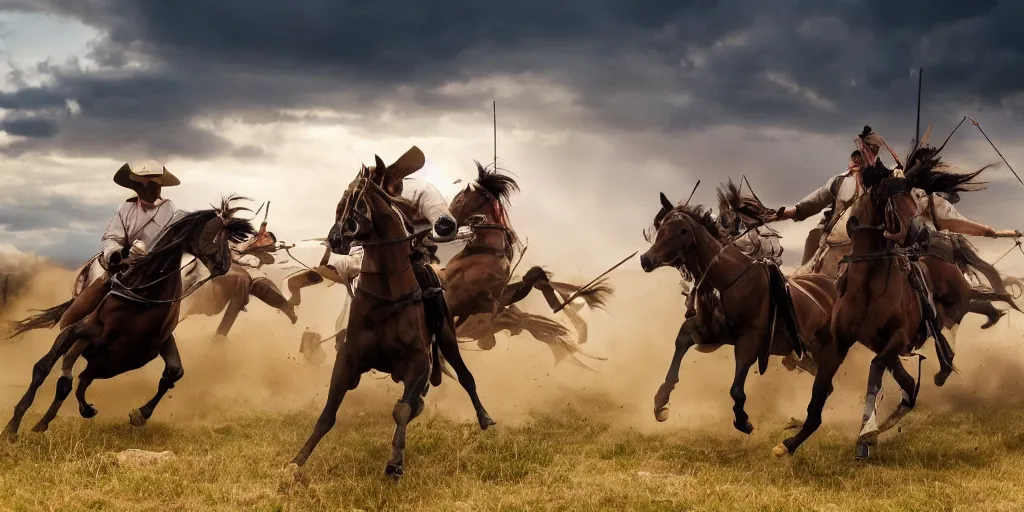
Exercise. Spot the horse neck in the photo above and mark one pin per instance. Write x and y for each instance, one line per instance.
(866, 242)
(386, 271)
(158, 276)
(714, 265)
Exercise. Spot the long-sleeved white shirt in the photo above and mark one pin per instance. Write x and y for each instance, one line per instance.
(132, 222)
(430, 204)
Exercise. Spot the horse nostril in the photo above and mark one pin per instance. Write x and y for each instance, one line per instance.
(645, 263)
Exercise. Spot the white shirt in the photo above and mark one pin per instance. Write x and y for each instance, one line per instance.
(133, 223)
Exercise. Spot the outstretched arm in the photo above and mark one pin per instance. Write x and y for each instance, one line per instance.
(814, 203)
(434, 208)
(950, 220)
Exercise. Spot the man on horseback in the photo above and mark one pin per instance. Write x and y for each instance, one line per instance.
(135, 226)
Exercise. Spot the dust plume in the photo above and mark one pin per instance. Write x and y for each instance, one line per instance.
(259, 370)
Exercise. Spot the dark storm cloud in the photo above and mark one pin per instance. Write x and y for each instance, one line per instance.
(29, 127)
(666, 66)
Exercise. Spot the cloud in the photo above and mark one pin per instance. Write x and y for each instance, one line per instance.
(160, 68)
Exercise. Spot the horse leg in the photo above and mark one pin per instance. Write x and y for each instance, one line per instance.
(299, 281)
(343, 378)
(265, 290)
(63, 385)
(40, 370)
(986, 308)
(909, 389)
(684, 340)
(869, 423)
(405, 410)
(173, 371)
(449, 345)
(832, 358)
(744, 360)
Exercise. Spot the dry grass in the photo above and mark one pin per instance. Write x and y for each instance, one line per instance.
(564, 460)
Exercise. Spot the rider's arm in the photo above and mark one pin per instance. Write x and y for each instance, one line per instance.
(950, 220)
(814, 203)
(114, 236)
(434, 208)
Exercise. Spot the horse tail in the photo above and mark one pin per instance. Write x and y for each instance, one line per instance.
(966, 257)
(45, 319)
(983, 295)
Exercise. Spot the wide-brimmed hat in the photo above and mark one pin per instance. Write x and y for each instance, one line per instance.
(129, 176)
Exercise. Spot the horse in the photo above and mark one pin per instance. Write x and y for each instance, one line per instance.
(389, 329)
(477, 279)
(880, 297)
(749, 308)
(136, 315)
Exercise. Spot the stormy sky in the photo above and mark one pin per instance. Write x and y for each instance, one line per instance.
(601, 105)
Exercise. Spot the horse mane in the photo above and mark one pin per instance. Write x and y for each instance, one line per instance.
(748, 207)
(926, 173)
(499, 185)
(705, 217)
(191, 225)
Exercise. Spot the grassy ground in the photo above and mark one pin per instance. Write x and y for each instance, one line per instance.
(941, 460)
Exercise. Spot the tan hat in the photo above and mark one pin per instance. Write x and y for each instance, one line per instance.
(128, 176)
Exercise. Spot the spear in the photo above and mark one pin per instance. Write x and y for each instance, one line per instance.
(583, 289)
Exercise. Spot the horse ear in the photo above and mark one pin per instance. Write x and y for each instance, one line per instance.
(380, 170)
(665, 203)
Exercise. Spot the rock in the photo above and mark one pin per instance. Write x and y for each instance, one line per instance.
(139, 458)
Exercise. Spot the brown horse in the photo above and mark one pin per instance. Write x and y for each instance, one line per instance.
(477, 279)
(389, 329)
(880, 301)
(748, 309)
(136, 315)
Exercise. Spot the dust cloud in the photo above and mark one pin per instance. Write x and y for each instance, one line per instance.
(259, 369)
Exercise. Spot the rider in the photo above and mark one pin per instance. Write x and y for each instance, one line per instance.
(252, 254)
(837, 194)
(133, 229)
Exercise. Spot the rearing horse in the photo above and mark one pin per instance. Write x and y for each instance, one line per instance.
(477, 278)
(746, 306)
(136, 318)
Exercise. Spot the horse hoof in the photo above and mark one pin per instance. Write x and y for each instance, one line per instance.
(940, 378)
(136, 418)
(394, 471)
(87, 411)
(661, 414)
(862, 452)
(218, 339)
(745, 427)
(11, 435)
(780, 450)
(486, 343)
(794, 424)
(485, 421)
(40, 428)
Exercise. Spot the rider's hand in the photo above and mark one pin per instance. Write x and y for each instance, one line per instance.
(445, 227)
(991, 232)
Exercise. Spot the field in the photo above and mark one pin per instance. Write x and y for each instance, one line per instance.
(567, 438)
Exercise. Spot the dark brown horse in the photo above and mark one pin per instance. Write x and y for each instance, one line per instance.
(389, 329)
(747, 309)
(136, 315)
(477, 279)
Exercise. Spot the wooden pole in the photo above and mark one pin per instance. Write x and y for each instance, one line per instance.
(917, 127)
(494, 108)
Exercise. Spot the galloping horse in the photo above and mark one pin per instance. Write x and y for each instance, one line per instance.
(136, 317)
(389, 329)
(747, 309)
(880, 303)
(477, 278)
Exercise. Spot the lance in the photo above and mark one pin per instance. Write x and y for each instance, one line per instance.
(688, 198)
(583, 289)
(975, 123)
(259, 210)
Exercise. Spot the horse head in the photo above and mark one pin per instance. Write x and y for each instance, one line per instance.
(367, 212)
(485, 199)
(681, 231)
